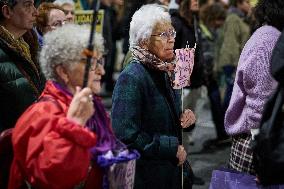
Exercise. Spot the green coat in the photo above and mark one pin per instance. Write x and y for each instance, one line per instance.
(16, 91)
(233, 37)
(143, 119)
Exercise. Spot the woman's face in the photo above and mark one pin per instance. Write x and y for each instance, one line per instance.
(56, 18)
(76, 75)
(162, 41)
(244, 6)
(69, 12)
(194, 6)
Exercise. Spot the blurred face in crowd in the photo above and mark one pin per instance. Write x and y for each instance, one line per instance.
(210, 2)
(165, 2)
(22, 16)
(76, 74)
(194, 6)
(69, 10)
(56, 18)
(162, 41)
(244, 6)
(218, 23)
(118, 2)
(107, 2)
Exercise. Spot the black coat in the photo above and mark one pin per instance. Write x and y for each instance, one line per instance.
(277, 60)
(20, 83)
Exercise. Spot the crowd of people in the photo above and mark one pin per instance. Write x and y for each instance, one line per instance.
(59, 133)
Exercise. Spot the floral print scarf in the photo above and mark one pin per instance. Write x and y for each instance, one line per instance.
(152, 61)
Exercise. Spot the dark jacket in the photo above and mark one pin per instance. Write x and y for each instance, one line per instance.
(142, 119)
(277, 60)
(21, 81)
(186, 35)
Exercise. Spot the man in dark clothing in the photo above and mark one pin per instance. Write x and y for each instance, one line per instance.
(21, 81)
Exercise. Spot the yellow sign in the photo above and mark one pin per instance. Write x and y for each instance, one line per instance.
(86, 17)
(78, 5)
(253, 2)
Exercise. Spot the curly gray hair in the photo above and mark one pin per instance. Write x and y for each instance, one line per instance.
(144, 20)
(63, 2)
(64, 46)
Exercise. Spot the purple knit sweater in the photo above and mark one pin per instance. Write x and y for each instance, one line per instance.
(253, 84)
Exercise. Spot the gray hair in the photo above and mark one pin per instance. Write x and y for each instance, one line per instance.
(144, 20)
(64, 46)
(63, 2)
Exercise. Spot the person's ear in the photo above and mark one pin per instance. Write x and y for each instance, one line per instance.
(6, 11)
(62, 74)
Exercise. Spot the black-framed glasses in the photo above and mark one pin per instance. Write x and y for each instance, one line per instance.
(94, 66)
(166, 35)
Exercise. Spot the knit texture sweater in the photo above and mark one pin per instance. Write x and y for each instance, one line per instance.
(253, 84)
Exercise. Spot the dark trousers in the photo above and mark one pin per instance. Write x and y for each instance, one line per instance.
(229, 72)
(217, 109)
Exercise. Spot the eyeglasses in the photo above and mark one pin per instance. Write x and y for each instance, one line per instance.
(166, 35)
(69, 12)
(57, 24)
(94, 66)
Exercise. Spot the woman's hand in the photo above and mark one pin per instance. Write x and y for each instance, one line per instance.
(81, 107)
(181, 155)
(187, 118)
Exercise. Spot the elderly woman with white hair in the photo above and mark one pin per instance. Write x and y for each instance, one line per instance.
(53, 137)
(146, 111)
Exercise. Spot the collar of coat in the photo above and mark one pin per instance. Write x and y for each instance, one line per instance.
(20, 54)
(17, 45)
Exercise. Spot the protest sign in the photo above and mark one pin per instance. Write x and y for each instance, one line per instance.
(184, 67)
(86, 17)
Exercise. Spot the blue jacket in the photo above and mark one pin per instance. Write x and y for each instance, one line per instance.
(144, 120)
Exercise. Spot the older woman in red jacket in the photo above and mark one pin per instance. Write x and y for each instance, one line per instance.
(52, 139)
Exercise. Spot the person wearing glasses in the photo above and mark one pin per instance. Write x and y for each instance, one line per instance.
(146, 113)
(69, 8)
(50, 17)
(53, 137)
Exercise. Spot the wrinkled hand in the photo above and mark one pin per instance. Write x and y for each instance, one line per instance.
(81, 107)
(187, 118)
(181, 155)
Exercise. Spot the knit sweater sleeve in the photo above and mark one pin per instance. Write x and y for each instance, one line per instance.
(258, 86)
(253, 84)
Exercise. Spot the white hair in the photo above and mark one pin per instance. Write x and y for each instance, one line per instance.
(62, 2)
(64, 46)
(144, 20)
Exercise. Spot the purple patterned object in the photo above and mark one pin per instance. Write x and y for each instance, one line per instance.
(230, 179)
